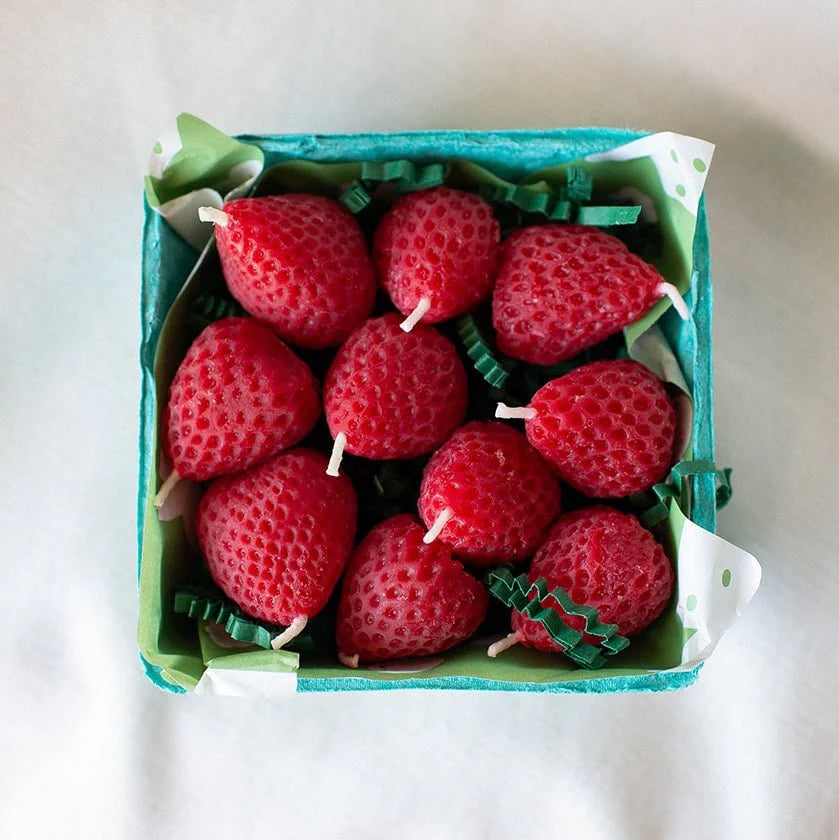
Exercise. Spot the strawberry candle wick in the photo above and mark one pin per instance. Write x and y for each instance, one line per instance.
(166, 488)
(669, 290)
(414, 318)
(292, 631)
(213, 214)
(349, 661)
(337, 455)
(437, 526)
(503, 644)
(507, 412)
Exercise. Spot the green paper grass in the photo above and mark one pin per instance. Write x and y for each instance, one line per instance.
(676, 487)
(478, 351)
(528, 598)
(404, 175)
(207, 606)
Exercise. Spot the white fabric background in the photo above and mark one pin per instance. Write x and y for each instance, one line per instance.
(88, 747)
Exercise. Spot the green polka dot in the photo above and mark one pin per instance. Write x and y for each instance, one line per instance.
(680, 189)
(699, 165)
(726, 577)
(158, 149)
(674, 155)
(691, 602)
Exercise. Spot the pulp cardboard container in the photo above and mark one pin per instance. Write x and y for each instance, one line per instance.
(666, 173)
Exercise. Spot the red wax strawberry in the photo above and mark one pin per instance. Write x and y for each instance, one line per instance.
(608, 427)
(390, 394)
(239, 397)
(297, 262)
(603, 559)
(436, 252)
(277, 537)
(489, 494)
(401, 597)
(563, 288)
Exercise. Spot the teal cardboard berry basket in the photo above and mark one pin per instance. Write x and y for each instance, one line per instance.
(663, 172)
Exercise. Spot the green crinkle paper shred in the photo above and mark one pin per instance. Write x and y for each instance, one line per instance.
(527, 598)
(566, 204)
(479, 352)
(579, 184)
(204, 605)
(608, 216)
(404, 175)
(676, 488)
(547, 204)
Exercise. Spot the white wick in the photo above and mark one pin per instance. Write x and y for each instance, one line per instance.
(349, 661)
(414, 318)
(293, 630)
(166, 489)
(506, 412)
(502, 644)
(678, 301)
(213, 214)
(439, 523)
(337, 454)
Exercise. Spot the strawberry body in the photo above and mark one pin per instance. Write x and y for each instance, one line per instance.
(563, 288)
(277, 537)
(608, 427)
(502, 495)
(604, 559)
(238, 397)
(440, 244)
(299, 263)
(395, 394)
(403, 598)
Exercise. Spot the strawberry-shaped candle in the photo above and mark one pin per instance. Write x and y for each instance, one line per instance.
(436, 252)
(298, 262)
(276, 538)
(391, 394)
(239, 397)
(602, 559)
(608, 427)
(401, 597)
(489, 495)
(563, 288)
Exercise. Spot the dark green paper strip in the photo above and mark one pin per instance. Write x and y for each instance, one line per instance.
(661, 509)
(607, 216)
(684, 469)
(405, 175)
(562, 207)
(547, 204)
(480, 354)
(206, 606)
(355, 198)
(519, 592)
(675, 486)
(578, 184)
